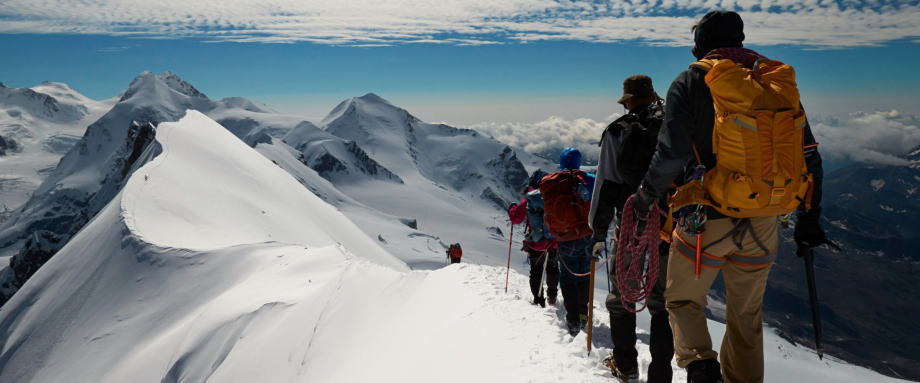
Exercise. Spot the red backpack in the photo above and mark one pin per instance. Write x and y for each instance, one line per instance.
(455, 251)
(566, 214)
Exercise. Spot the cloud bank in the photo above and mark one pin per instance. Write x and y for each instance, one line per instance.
(549, 135)
(882, 137)
(812, 23)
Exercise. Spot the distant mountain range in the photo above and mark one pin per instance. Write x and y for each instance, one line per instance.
(38, 125)
(420, 163)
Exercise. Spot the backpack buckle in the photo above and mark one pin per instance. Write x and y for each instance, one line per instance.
(776, 195)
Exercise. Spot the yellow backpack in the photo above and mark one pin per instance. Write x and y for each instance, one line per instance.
(758, 140)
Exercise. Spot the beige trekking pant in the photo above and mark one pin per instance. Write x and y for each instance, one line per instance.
(744, 250)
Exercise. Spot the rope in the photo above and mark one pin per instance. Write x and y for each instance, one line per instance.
(634, 286)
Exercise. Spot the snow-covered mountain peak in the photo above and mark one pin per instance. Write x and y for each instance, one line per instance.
(20, 101)
(373, 98)
(163, 86)
(369, 107)
(54, 88)
(67, 95)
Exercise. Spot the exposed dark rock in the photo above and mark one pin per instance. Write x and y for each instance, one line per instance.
(410, 222)
(8, 146)
(38, 249)
(140, 135)
(489, 195)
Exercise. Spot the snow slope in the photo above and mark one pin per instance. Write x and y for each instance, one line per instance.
(39, 125)
(215, 264)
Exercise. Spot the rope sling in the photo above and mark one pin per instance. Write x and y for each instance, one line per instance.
(637, 241)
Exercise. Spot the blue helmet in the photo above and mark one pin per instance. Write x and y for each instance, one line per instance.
(570, 159)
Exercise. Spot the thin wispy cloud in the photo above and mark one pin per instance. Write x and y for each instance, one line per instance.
(811, 23)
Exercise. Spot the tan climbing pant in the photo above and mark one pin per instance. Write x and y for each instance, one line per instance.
(744, 250)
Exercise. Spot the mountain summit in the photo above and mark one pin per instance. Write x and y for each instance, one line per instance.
(415, 150)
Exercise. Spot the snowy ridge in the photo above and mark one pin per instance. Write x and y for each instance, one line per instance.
(167, 204)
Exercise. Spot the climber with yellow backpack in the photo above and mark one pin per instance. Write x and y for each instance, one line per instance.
(734, 154)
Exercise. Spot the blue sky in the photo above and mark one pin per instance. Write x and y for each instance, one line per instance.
(581, 78)
(534, 73)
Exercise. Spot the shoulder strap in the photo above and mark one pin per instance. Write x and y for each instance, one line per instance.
(703, 64)
(696, 153)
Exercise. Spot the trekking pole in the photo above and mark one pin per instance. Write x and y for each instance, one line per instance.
(607, 267)
(590, 304)
(809, 256)
(545, 257)
(508, 270)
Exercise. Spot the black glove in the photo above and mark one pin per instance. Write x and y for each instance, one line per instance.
(808, 232)
(643, 202)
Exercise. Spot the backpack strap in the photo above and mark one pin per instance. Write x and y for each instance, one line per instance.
(704, 64)
(696, 153)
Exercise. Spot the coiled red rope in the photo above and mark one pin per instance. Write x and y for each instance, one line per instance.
(638, 240)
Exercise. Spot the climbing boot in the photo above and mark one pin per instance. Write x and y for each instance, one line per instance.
(704, 371)
(623, 374)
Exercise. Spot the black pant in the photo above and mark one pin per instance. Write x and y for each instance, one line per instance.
(575, 258)
(623, 326)
(536, 260)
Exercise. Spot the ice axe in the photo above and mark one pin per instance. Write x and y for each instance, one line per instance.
(590, 325)
(508, 270)
(808, 254)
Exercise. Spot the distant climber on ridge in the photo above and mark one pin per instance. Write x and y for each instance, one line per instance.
(454, 253)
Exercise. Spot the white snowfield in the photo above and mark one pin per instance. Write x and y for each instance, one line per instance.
(45, 121)
(214, 264)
